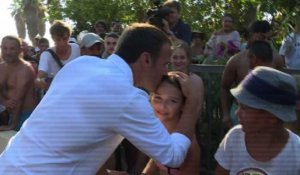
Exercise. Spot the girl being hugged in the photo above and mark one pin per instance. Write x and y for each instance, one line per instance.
(167, 102)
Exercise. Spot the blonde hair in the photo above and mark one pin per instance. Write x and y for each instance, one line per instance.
(60, 28)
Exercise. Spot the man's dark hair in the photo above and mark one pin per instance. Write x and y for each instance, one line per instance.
(262, 51)
(101, 23)
(44, 40)
(172, 3)
(260, 27)
(112, 35)
(139, 38)
(13, 38)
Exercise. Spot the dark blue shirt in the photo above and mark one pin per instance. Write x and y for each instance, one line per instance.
(182, 31)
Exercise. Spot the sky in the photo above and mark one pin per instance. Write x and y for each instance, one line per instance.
(6, 21)
(8, 26)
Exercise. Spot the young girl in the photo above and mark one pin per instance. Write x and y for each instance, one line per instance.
(181, 59)
(167, 102)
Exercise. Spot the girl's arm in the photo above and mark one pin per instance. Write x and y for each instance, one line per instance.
(150, 168)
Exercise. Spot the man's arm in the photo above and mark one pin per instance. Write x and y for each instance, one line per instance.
(42, 73)
(40, 81)
(150, 168)
(228, 79)
(16, 100)
(186, 33)
(193, 91)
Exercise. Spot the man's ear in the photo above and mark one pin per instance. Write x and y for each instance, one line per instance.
(146, 59)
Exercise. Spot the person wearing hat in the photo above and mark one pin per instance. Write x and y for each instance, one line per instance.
(91, 44)
(261, 144)
(37, 39)
(237, 67)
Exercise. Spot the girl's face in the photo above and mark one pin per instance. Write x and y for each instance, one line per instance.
(167, 102)
(227, 23)
(179, 60)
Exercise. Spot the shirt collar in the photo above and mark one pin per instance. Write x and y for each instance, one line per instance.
(122, 65)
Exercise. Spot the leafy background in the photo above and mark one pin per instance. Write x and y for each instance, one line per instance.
(202, 15)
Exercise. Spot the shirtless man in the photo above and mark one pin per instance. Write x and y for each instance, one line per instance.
(17, 91)
(237, 68)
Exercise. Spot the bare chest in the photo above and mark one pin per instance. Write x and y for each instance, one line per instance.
(8, 79)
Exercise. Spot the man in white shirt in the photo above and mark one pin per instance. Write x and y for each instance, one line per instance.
(93, 104)
(62, 53)
(290, 48)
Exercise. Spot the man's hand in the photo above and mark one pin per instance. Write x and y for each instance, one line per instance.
(187, 87)
(41, 83)
(10, 104)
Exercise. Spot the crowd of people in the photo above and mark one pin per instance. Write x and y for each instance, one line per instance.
(123, 100)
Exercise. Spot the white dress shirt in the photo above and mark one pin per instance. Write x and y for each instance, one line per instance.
(90, 106)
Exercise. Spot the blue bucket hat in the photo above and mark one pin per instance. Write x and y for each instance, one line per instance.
(271, 90)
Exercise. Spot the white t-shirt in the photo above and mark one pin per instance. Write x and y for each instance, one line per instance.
(91, 105)
(232, 155)
(48, 64)
(290, 49)
(215, 41)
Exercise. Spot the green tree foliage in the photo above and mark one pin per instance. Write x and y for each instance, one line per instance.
(84, 13)
(29, 15)
(202, 15)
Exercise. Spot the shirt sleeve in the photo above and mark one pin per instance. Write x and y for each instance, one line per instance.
(186, 34)
(286, 44)
(43, 63)
(144, 130)
(236, 39)
(224, 153)
(182, 31)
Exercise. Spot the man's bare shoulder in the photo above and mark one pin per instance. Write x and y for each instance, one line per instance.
(237, 57)
(236, 68)
(25, 69)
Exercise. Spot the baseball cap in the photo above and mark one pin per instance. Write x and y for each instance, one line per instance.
(89, 39)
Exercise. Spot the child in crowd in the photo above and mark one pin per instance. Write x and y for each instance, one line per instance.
(167, 102)
(260, 144)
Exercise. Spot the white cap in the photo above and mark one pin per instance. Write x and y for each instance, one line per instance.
(90, 39)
